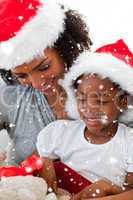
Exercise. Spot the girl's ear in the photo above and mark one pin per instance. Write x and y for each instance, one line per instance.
(122, 101)
(130, 101)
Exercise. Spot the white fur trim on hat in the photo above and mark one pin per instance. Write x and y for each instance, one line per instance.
(36, 35)
(103, 64)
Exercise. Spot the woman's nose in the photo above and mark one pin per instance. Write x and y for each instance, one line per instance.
(33, 81)
(26, 82)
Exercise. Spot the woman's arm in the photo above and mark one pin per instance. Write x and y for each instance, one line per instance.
(48, 173)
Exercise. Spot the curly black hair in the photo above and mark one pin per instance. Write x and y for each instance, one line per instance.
(74, 40)
(8, 77)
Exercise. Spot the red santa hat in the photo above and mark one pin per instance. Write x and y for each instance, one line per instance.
(114, 61)
(27, 27)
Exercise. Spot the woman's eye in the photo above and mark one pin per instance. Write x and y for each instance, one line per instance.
(21, 77)
(44, 67)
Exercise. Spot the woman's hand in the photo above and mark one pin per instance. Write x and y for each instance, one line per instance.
(48, 174)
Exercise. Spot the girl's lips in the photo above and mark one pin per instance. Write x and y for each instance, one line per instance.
(92, 121)
(90, 116)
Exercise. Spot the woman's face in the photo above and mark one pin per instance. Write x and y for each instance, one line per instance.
(42, 73)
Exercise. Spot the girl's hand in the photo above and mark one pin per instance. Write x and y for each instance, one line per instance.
(100, 188)
(2, 156)
(63, 194)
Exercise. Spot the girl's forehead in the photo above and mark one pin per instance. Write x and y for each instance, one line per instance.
(92, 82)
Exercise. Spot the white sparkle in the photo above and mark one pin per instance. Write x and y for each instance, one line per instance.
(79, 81)
(30, 6)
(20, 17)
(111, 89)
(104, 119)
(66, 170)
(94, 195)
(113, 160)
(11, 125)
(101, 87)
(97, 191)
(50, 189)
(28, 169)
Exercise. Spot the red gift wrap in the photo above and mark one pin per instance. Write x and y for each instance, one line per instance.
(67, 178)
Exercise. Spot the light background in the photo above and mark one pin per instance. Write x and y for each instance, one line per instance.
(108, 20)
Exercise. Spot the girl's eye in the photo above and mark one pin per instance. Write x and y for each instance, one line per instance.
(104, 102)
(83, 100)
(101, 102)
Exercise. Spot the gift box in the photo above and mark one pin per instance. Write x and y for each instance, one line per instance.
(67, 178)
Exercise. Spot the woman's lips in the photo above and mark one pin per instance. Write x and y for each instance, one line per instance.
(45, 86)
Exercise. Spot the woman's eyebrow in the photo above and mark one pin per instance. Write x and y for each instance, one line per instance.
(40, 63)
(17, 73)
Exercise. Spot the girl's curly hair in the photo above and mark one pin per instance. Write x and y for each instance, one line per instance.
(74, 40)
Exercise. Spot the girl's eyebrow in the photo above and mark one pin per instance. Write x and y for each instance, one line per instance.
(81, 93)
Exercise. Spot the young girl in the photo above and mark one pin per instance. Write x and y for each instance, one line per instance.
(96, 145)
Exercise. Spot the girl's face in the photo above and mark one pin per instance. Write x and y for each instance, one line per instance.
(98, 101)
(42, 73)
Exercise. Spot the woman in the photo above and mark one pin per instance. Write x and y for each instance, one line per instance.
(38, 50)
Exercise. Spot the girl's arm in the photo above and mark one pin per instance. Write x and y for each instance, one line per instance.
(123, 196)
(129, 180)
(100, 188)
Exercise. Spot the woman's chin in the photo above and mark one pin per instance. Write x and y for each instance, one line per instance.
(46, 91)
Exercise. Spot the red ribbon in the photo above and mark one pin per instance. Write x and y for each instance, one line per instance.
(27, 167)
